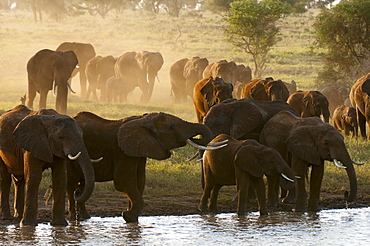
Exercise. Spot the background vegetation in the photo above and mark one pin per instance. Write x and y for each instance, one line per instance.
(192, 34)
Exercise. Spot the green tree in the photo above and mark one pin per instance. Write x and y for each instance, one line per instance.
(344, 31)
(251, 26)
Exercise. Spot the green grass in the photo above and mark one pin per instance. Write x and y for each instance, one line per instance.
(293, 58)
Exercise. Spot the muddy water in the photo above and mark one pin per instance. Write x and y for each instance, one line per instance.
(329, 227)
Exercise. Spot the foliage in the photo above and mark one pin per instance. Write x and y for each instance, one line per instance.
(344, 31)
(251, 26)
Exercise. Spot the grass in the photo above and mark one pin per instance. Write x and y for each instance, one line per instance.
(193, 34)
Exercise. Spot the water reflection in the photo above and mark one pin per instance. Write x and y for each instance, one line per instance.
(330, 227)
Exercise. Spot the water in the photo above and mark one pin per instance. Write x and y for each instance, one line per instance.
(328, 227)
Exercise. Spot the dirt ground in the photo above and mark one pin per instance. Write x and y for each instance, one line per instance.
(111, 205)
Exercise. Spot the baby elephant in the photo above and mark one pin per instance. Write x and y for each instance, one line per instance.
(242, 162)
(345, 119)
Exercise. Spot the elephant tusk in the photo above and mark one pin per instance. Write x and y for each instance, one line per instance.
(96, 160)
(158, 79)
(203, 147)
(54, 86)
(337, 164)
(193, 157)
(358, 163)
(71, 157)
(297, 177)
(70, 88)
(287, 178)
(218, 143)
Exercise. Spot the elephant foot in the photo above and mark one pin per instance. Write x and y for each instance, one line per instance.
(27, 223)
(62, 222)
(203, 209)
(300, 208)
(129, 218)
(313, 208)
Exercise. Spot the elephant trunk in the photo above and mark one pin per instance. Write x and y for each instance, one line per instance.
(89, 176)
(202, 130)
(351, 173)
(61, 98)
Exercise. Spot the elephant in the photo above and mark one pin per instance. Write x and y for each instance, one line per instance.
(309, 104)
(84, 52)
(139, 70)
(223, 69)
(243, 76)
(265, 90)
(345, 118)
(305, 142)
(360, 100)
(30, 142)
(50, 70)
(125, 145)
(208, 92)
(116, 90)
(292, 87)
(98, 70)
(243, 118)
(336, 96)
(184, 74)
(239, 163)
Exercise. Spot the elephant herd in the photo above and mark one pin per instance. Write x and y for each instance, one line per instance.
(265, 128)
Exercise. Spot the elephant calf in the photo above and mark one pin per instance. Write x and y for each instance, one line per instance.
(241, 162)
(345, 119)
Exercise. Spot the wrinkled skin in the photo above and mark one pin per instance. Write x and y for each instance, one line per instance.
(345, 119)
(360, 100)
(310, 104)
(45, 67)
(336, 96)
(244, 118)
(239, 163)
(222, 69)
(125, 145)
(265, 90)
(209, 92)
(305, 142)
(184, 74)
(84, 52)
(30, 142)
(139, 70)
(98, 70)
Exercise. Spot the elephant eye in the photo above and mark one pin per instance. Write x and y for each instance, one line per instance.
(60, 137)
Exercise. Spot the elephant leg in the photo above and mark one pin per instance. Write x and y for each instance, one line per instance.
(213, 199)
(59, 184)
(19, 186)
(31, 96)
(43, 97)
(317, 174)
(126, 181)
(260, 188)
(273, 190)
(32, 175)
(207, 189)
(243, 184)
(361, 124)
(82, 80)
(299, 168)
(5, 192)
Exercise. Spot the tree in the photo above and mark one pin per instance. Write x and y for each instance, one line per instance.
(344, 31)
(251, 27)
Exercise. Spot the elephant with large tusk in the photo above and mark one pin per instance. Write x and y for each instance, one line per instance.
(125, 145)
(308, 142)
(30, 142)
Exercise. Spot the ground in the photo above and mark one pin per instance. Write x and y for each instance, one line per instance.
(111, 205)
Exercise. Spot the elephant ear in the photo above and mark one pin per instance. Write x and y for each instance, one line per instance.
(308, 101)
(137, 138)
(242, 124)
(207, 92)
(247, 160)
(366, 87)
(258, 91)
(301, 143)
(31, 135)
